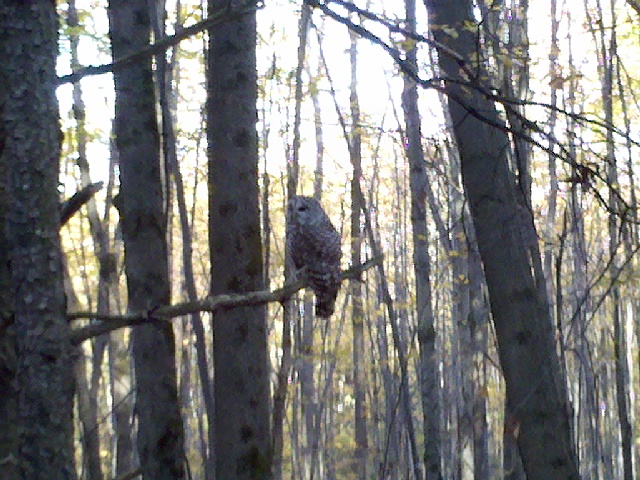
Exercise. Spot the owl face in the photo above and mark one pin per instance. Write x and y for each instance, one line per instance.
(303, 210)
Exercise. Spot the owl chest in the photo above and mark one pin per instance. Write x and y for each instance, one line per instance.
(306, 254)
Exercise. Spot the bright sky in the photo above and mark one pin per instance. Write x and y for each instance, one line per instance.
(278, 25)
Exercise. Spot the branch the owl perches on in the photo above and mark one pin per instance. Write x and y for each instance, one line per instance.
(108, 323)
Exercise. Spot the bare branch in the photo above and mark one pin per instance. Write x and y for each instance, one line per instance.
(108, 323)
(223, 15)
(70, 206)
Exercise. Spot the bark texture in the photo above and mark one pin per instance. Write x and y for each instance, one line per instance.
(140, 203)
(29, 159)
(535, 392)
(242, 396)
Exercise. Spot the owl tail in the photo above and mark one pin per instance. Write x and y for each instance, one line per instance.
(325, 305)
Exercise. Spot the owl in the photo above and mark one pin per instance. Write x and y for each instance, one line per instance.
(314, 247)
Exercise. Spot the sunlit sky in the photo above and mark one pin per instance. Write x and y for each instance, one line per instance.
(379, 84)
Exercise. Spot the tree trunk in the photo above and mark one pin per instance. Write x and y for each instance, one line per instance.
(242, 398)
(8, 360)
(357, 312)
(535, 389)
(8, 387)
(429, 382)
(160, 431)
(307, 381)
(609, 54)
(29, 156)
(122, 422)
(88, 394)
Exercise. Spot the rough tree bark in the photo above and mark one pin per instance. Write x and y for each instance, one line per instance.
(242, 396)
(160, 431)
(8, 360)
(535, 390)
(29, 160)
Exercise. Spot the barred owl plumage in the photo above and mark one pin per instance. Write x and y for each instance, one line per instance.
(314, 246)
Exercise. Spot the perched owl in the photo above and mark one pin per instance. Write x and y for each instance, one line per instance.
(314, 247)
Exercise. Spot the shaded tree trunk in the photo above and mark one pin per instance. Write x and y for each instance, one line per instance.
(8, 359)
(29, 159)
(242, 431)
(535, 389)
(429, 382)
(89, 414)
(160, 432)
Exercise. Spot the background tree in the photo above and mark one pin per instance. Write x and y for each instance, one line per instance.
(535, 391)
(426, 331)
(144, 229)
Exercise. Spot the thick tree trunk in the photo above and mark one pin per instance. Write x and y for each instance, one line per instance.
(242, 396)
(535, 389)
(29, 155)
(160, 432)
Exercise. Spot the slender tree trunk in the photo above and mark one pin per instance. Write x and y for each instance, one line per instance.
(549, 227)
(121, 384)
(120, 387)
(91, 437)
(164, 75)
(357, 311)
(29, 157)
(308, 385)
(160, 432)
(280, 394)
(630, 229)
(428, 365)
(619, 332)
(289, 315)
(242, 424)
(535, 390)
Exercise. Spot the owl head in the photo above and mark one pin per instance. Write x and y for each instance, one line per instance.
(303, 210)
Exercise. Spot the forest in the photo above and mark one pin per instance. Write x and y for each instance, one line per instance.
(475, 160)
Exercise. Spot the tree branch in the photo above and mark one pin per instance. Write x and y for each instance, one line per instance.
(223, 15)
(70, 206)
(635, 5)
(108, 323)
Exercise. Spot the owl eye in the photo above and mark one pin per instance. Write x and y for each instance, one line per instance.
(302, 208)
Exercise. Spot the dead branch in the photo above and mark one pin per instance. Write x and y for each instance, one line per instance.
(108, 323)
(70, 206)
